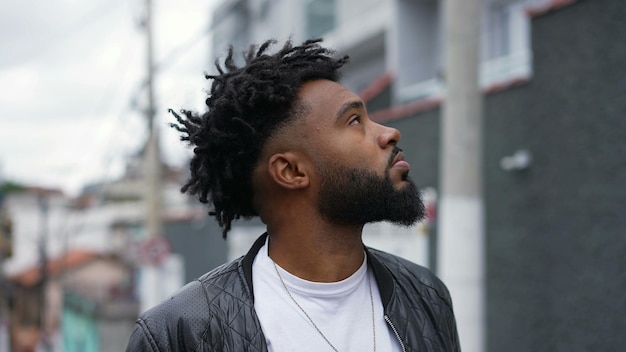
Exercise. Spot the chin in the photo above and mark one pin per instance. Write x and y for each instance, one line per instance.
(401, 185)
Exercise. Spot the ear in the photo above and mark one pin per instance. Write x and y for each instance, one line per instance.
(288, 171)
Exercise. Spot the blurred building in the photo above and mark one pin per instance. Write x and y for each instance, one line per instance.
(554, 174)
(6, 251)
(63, 248)
(85, 300)
(74, 278)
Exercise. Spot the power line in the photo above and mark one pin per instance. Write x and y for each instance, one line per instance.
(175, 54)
(170, 59)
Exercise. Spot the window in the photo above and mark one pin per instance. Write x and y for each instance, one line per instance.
(497, 39)
(506, 43)
(505, 38)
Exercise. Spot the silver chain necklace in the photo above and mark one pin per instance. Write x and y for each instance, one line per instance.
(311, 320)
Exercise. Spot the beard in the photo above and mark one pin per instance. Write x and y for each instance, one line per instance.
(357, 197)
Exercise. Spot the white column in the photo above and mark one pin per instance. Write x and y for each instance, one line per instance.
(461, 210)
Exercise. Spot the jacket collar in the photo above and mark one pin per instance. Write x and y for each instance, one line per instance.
(248, 259)
(383, 276)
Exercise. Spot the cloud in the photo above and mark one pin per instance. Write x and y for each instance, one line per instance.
(67, 75)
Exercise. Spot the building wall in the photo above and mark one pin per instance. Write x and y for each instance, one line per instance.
(556, 268)
(347, 10)
(230, 27)
(277, 19)
(241, 23)
(366, 63)
(114, 334)
(420, 141)
(201, 244)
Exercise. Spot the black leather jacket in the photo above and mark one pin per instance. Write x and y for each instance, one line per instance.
(216, 312)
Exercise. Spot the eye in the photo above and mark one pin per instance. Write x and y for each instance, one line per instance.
(355, 120)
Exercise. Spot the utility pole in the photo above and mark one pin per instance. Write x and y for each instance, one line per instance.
(461, 210)
(44, 209)
(154, 248)
(152, 156)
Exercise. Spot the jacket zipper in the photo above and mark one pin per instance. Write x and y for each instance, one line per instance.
(395, 332)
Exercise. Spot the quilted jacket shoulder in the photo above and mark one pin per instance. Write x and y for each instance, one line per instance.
(213, 313)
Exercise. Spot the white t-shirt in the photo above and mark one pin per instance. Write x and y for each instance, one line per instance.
(341, 310)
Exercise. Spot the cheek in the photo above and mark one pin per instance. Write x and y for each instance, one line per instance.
(345, 149)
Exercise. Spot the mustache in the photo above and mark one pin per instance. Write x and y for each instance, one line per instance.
(394, 152)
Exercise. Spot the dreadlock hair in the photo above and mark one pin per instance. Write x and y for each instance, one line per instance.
(246, 105)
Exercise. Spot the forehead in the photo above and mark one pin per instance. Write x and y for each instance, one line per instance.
(326, 99)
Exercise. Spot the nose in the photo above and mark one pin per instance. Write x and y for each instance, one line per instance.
(388, 136)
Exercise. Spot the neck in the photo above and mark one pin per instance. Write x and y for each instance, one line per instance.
(325, 254)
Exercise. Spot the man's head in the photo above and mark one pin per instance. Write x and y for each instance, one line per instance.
(245, 107)
(360, 173)
(282, 113)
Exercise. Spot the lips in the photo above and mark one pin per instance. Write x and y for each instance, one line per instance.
(398, 161)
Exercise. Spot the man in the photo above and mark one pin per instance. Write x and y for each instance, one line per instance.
(282, 140)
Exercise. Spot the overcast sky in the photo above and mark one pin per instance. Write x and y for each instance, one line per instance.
(68, 71)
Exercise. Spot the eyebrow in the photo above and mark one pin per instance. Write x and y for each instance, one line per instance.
(357, 104)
